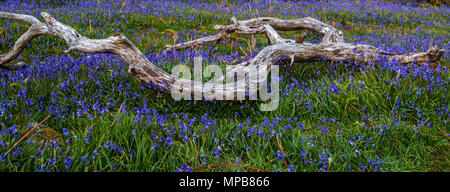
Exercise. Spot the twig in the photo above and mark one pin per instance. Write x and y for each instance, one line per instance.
(243, 50)
(117, 116)
(357, 110)
(282, 152)
(26, 134)
(443, 132)
(368, 121)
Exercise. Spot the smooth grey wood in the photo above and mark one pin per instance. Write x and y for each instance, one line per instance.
(332, 48)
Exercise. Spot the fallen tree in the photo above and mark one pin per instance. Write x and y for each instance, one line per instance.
(332, 47)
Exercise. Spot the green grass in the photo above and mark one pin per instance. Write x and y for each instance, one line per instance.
(407, 145)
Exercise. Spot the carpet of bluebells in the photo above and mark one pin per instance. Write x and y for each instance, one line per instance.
(332, 116)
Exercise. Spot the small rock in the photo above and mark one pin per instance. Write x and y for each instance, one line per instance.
(43, 133)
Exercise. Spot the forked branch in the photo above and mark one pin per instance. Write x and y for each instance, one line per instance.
(332, 47)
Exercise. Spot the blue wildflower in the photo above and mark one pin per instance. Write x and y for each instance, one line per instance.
(66, 131)
(68, 161)
(2, 156)
(291, 168)
(184, 168)
(279, 155)
(217, 152)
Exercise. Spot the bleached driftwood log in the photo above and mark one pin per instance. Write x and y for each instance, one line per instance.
(332, 47)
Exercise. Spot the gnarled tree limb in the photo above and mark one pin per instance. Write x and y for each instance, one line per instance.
(332, 48)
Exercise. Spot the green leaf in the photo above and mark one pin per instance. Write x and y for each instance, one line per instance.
(16, 84)
(351, 99)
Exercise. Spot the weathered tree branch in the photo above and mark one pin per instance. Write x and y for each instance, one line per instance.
(9, 66)
(327, 32)
(332, 48)
(194, 43)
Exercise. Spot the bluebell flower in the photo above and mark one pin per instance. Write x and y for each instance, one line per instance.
(351, 142)
(52, 161)
(169, 141)
(291, 168)
(238, 162)
(65, 131)
(279, 155)
(217, 152)
(68, 161)
(2, 156)
(303, 154)
(184, 168)
(334, 88)
(155, 147)
(88, 138)
(95, 154)
(38, 154)
(204, 158)
(43, 166)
